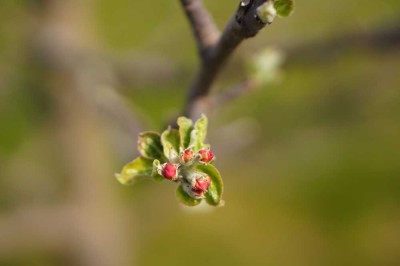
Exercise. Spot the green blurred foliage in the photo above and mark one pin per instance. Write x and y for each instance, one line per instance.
(318, 184)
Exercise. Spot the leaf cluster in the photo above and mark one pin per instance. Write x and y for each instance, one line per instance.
(158, 149)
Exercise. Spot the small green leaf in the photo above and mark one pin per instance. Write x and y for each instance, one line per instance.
(284, 8)
(185, 198)
(170, 141)
(185, 128)
(149, 145)
(137, 168)
(199, 133)
(156, 176)
(214, 192)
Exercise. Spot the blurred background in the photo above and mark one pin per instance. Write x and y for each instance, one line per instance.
(310, 160)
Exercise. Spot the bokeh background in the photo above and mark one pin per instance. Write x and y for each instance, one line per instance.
(310, 161)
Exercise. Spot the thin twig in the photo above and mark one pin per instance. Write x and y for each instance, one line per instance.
(244, 24)
(203, 26)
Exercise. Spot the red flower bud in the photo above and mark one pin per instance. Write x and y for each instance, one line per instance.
(201, 185)
(186, 155)
(169, 171)
(206, 156)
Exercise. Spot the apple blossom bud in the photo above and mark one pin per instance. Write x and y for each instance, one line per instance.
(206, 156)
(186, 155)
(201, 185)
(196, 184)
(169, 171)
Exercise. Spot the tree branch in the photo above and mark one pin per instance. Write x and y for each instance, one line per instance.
(203, 26)
(244, 24)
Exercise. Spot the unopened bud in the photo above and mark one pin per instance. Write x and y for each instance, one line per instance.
(266, 12)
(169, 171)
(206, 156)
(196, 185)
(186, 156)
(201, 185)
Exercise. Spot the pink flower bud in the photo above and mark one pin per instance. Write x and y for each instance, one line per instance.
(186, 155)
(206, 156)
(201, 185)
(169, 171)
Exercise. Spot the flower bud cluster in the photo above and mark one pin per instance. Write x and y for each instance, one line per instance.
(194, 183)
(181, 156)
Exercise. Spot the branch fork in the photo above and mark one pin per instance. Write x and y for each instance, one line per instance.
(215, 48)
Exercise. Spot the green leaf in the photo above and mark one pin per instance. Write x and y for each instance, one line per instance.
(199, 133)
(185, 198)
(149, 145)
(214, 192)
(170, 141)
(185, 128)
(137, 168)
(156, 176)
(284, 8)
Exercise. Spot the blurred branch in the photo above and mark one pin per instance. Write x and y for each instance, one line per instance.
(204, 28)
(144, 70)
(90, 224)
(244, 24)
(383, 37)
